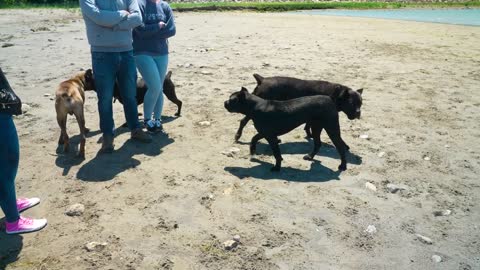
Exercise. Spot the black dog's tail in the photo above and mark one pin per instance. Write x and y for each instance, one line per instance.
(258, 78)
(169, 74)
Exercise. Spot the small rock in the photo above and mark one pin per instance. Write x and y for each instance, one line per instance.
(95, 246)
(427, 158)
(204, 123)
(440, 213)
(75, 210)
(381, 154)
(447, 146)
(424, 239)
(47, 94)
(230, 244)
(392, 188)
(370, 186)
(436, 258)
(231, 151)
(52, 98)
(236, 238)
(6, 45)
(204, 72)
(371, 229)
(26, 107)
(187, 65)
(364, 136)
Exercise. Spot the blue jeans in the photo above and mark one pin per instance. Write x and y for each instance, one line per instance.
(153, 70)
(9, 157)
(109, 67)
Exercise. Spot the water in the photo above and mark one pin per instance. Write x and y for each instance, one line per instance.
(449, 16)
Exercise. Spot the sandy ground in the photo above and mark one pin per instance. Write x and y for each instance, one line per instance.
(171, 204)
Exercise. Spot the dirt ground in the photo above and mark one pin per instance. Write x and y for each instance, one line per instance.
(171, 204)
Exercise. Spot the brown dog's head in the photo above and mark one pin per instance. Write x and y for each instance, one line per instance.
(348, 101)
(237, 101)
(89, 81)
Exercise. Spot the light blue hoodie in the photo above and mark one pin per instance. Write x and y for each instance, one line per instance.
(109, 23)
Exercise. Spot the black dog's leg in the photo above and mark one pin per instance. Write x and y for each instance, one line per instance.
(253, 143)
(334, 134)
(316, 131)
(308, 131)
(243, 123)
(273, 142)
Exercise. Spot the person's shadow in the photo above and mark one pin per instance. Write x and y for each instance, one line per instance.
(10, 246)
(104, 167)
(316, 173)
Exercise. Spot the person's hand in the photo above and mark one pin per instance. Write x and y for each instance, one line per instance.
(161, 24)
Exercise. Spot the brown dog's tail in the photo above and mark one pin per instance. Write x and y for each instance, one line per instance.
(258, 78)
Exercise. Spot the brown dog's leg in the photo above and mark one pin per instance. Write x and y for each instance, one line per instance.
(62, 123)
(81, 124)
(243, 123)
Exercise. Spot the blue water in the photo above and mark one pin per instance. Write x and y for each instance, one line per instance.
(450, 16)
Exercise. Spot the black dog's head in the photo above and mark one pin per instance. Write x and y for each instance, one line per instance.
(348, 101)
(89, 81)
(237, 101)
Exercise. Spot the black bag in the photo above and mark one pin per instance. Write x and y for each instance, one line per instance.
(9, 102)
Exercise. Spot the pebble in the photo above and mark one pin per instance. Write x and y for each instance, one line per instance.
(6, 45)
(447, 146)
(75, 210)
(424, 239)
(440, 213)
(26, 107)
(231, 151)
(230, 244)
(204, 123)
(47, 94)
(364, 136)
(236, 238)
(370, 186)
(436, 258)
(371, 229)
(427, 158)
(392, 188)
(204, 72)
(95, 246)
(381, 154)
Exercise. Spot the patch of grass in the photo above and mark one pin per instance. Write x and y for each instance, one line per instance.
(268, 7)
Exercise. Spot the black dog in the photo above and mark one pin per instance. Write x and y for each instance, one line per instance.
(168, 90)
(285, 88)
(274, 118)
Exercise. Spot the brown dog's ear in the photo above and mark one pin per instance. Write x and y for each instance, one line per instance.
(169, 74)
(360, 91)
(258, 78)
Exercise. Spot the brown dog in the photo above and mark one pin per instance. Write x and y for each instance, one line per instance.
(69, 99)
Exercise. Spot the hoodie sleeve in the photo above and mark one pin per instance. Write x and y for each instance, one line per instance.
(133, 20)
(169, 30)
(105, 18)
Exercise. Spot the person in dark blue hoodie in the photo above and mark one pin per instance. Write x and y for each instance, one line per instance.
(150, 45)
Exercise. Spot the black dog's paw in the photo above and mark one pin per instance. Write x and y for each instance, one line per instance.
(342, 167)
(347, 147)
(177, 114)
(237, 137)
(307, 157)
(81, 156)
(275, 169)
(87, 130)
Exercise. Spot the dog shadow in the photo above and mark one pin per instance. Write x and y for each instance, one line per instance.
(316, 173)
(70, 159)
(104, 167)
(10, 246)
(292, 148)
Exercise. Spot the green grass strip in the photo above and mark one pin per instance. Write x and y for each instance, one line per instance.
(272, 7)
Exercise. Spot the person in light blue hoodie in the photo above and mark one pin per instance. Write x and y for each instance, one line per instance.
(109, 25)
(150, 46)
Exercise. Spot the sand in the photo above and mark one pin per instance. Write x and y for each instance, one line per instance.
(171, 204)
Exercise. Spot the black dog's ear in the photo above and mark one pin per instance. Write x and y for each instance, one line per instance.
(340, 93)
(258, 78)
(360, 91)
(169, 74)
(89, 73)
(244, 90)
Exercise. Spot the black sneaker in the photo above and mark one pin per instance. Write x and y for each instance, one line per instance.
(158, 125)
(150, 125)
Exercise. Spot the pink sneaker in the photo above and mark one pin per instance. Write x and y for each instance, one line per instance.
(25, 225)
(25, 203)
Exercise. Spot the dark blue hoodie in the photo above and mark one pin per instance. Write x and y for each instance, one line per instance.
(148, 38)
